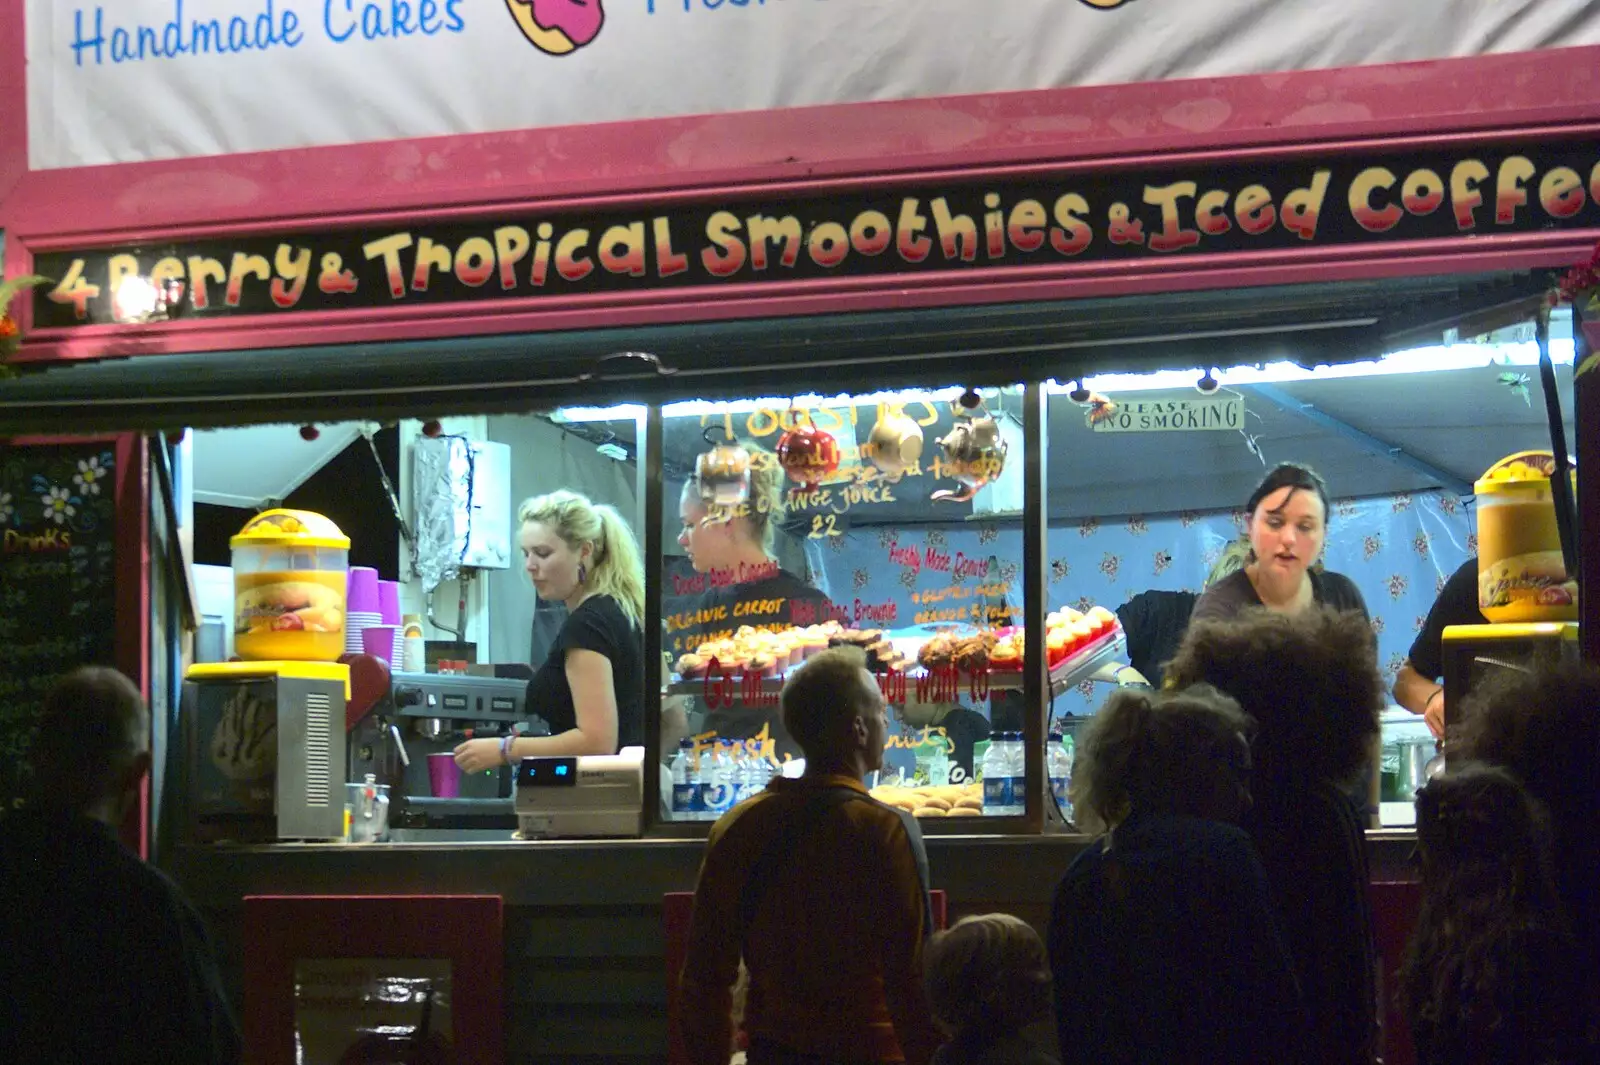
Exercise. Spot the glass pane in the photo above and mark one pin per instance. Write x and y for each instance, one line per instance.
(441, 585)
(890, 521)
(1151, 474)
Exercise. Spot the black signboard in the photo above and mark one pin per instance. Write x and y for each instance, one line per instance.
(57, 583)
(1032, 220)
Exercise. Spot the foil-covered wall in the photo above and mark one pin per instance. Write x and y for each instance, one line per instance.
(442, 493)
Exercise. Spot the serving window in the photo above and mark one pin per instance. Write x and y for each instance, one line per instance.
(925, 524)
(886, 521)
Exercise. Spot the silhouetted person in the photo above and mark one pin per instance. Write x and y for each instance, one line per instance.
(1489, 970)
(1543, 727)
(822, 890)
(1310, 681)
(103, 959)
(1164, 939)
(988, 981)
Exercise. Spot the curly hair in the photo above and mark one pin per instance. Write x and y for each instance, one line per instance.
(1310, 681)
(1544, 728)
(1149, 751)
(1492, 944)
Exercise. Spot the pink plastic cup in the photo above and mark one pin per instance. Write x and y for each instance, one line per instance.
(389, 601)
(363, 591)
(378, 641)
(444, 776)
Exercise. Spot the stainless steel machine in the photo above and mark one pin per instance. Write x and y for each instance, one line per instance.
(1476, 654)
(429, 714)
(263, 745)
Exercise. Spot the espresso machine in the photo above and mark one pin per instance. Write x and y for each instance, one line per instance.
(406, 739)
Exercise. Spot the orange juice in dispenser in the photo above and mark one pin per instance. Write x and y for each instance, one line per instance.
(289, 574)
(1522, 576)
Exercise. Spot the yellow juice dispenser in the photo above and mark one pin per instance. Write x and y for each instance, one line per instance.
(264, 739)
(289, 574)
(1524, 588)
(1522, 574)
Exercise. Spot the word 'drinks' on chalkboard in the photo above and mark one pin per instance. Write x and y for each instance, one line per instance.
(57, 583)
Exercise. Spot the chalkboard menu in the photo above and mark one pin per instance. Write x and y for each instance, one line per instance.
(57, 583)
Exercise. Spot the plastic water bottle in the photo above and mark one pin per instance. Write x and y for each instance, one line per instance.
(717, 791)
(744, 770)
(939, 767)
(1059, 765)
(757, 771)
(1017, 772)
(1070, 746)
(684, 790)
(996, 778)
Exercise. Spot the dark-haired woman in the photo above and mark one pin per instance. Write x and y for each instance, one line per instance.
(1163, 936)
(1288, 515)
(1489, 971)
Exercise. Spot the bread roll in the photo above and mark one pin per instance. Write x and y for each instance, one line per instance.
(929, 811)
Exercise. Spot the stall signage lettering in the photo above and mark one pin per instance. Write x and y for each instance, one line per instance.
(1173, 415)
(951, 227)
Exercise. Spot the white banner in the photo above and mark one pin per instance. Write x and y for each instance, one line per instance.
(135, 80)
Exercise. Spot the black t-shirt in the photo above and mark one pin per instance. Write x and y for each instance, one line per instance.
(773, 602)
(1457, 605)
(1234, 594)
(598, 625)
(1155, 622)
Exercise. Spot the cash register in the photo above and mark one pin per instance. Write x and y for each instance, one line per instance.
(590, 796)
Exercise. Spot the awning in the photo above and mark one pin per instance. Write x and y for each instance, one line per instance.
(1308, 324)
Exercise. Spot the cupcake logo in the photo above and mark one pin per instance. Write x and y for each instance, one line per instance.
(559, 27)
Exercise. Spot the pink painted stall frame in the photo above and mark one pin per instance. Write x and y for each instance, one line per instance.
(1257, 118)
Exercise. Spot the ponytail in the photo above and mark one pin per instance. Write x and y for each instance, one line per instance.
(618, 569)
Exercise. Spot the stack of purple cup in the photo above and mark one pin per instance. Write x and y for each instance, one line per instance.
(389, 607)
(362, 608)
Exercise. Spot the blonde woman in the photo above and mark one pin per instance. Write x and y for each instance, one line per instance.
(591, 686)
(733, 554)
(737, 582)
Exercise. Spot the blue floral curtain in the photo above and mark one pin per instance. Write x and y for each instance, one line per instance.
(1397, 549)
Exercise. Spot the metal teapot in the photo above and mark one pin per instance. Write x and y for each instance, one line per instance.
(723, 474)
(895, 443)
(974, 451)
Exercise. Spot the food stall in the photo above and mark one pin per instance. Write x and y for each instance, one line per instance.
(919, 353)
